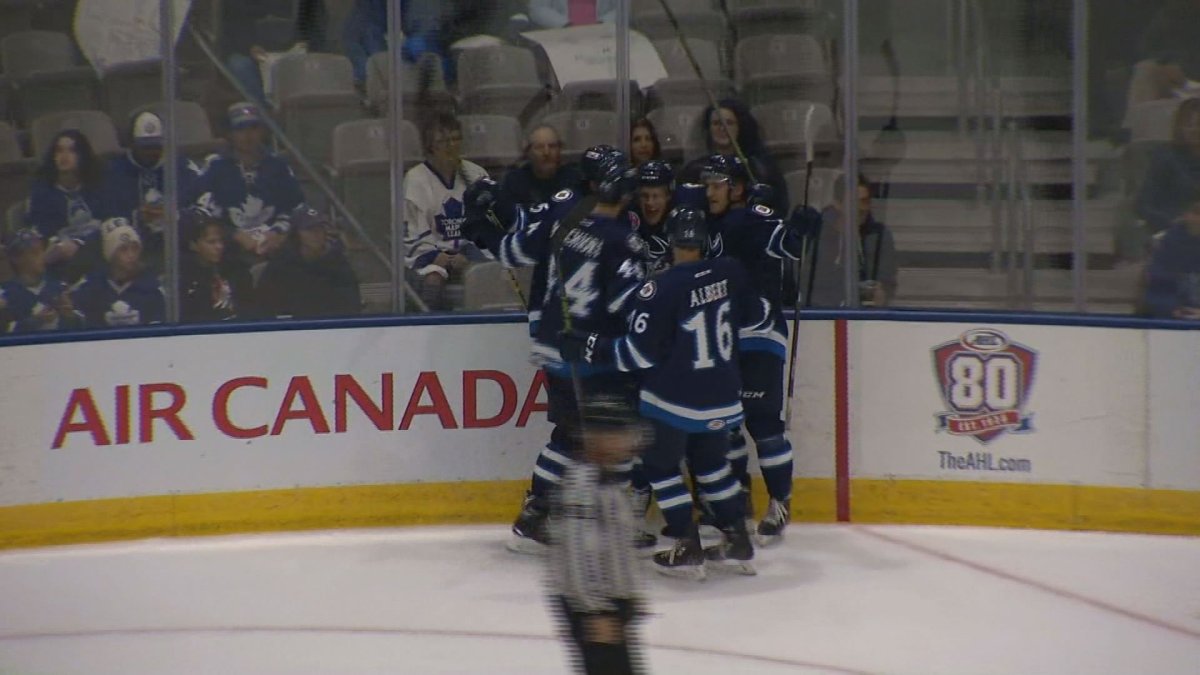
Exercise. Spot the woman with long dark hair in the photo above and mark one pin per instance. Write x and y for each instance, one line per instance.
(67, 201)
(643, 143)
(730, 120)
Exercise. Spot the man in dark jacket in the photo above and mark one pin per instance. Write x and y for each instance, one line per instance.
(542, 175)
(310, 277)
(876, 252)
(245, 42)
(1173, 276)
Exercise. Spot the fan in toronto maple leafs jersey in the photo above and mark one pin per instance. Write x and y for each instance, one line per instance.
(252, 188)
(123, 293)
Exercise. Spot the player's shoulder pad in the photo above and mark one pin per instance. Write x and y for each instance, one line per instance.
(564, 195)
(763, 210)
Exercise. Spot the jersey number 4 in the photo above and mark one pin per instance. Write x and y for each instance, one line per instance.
(581, 290)
(703, 333)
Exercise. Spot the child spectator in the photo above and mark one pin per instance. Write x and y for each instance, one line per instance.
(1173, 275)
(1174, 172)
(434, 213)
(877, 271)
(67, 203)
(123, 293)
(251, 187)
(731, 119)
(134, 183)
(311, 276)
(213, 286)
(541, 175)
(32, 300)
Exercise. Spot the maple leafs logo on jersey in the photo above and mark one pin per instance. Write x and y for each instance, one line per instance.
(449, 222)
(121, 313)
(252, 214)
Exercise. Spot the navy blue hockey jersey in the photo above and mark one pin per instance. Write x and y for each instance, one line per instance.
(598, 268)
(26, 303)
(760, 240)
(683, 332)
(105, 303)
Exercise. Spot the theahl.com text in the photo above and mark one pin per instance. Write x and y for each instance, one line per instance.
(982, 461)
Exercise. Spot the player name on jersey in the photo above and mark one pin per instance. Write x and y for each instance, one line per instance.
(710, 293)
(584, 243)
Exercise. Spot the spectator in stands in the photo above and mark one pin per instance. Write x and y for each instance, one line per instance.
(123, 293)
(730, 120)
(434, 212)
(213, 286)
(251, 187)
(311, 276)
(67, 202)
(33, 300)
(364, 35)
(542, 174)
(1170, 39)
(563, 13)
(134, 184)
(1174, 172)
(643, 143)
(876, 253)
(1173, 275)
(245, 46)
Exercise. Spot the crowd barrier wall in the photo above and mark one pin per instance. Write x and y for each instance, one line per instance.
(898, 417)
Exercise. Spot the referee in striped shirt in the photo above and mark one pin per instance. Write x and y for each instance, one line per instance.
(594, 583)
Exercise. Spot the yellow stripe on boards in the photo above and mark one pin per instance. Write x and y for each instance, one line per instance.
(353, 506)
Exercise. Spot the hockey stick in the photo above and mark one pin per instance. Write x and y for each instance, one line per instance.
(708, 92)
(512, 278)
(812, 265)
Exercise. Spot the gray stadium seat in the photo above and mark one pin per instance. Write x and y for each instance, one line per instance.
(130, 86)
(14, 216)
(698, 24)
(767, 17)
(671, 91)
(677, 6)
(820, 188)
(782, 67)
(581, 129)
(782, 126)
(492, 141)
(678, 66)
(95, 124)
(487, 286)
(362, 171)
(315, 94)
(15, 170)
(15, 17)
(680, 133)
(435, 95)
(500, 80)
(10, 146)
(596, 95)
(1153, 120)
(46, 75)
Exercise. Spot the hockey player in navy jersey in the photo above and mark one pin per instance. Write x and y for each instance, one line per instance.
(656, 180)
(594, 267)
(683, 335)
(753, 235)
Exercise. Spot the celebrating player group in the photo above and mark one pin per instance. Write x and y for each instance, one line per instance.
(679, 318)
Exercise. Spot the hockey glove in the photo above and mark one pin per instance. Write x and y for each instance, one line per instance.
(580, 347)
(805, 222)
(760, 194)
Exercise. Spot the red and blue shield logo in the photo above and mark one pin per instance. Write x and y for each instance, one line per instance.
(985, 380)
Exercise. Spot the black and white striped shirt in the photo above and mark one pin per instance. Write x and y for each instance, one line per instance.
(592, 559)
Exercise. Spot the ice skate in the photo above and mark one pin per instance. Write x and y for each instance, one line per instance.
(529, 531)
(735, 552)
(770, 528)
(644, 541)
(685, 560)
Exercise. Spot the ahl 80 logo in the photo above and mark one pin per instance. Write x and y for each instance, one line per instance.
(985, 380)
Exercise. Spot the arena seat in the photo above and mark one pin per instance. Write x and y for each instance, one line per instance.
(820, 188)
(779, 67)
(499, 80)
(487, 286)
(680, 133)
(415, 99)
(675, 58)
(782, 126)
(362, 171)
(193, 131)
(698, 24)
(581, 129)
(768, 17)
(46, 75)
(315, 93)
(95, 124)
(492, 141)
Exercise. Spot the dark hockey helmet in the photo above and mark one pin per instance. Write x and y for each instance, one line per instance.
(691, 195)
(688, 228)
(615, 179)
(592, 160)
(607, 411)
(655, 173)
(725, 167)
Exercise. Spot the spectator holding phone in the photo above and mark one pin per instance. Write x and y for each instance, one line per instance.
(33, 300)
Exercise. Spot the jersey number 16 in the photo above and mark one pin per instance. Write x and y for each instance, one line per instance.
(705, 334)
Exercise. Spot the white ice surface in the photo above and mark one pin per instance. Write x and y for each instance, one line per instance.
(833, 599)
